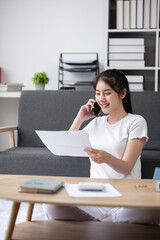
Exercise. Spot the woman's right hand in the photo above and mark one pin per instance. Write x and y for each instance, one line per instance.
(84, 112)
(83, 115)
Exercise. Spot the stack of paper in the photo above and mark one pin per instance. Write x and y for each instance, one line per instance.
(126, 52)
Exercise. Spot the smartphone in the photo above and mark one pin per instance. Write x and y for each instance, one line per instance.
(96, 109)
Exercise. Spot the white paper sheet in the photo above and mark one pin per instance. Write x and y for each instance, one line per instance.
(109, 191)
(65, 143)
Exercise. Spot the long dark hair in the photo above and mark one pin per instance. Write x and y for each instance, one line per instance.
(117, 81)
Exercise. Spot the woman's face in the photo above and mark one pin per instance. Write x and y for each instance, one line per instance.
(107, 98)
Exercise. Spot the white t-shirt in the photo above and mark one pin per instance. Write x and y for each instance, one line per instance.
(113, 138)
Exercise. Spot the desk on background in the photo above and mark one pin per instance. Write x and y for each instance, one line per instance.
(133, 196)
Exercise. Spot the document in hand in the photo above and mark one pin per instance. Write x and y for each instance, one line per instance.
(65, 143)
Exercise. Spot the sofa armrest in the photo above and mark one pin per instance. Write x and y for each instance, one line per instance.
(11, 130)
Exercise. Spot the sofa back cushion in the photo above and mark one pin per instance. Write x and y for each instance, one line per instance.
(55, 110)
(147, 104)
(47, 110)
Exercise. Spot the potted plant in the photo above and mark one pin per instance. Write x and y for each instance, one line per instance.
(40, 79)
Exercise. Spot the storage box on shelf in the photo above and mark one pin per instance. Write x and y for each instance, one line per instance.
(121, 35)
(74, 69)
(126, 52)
(135, 82)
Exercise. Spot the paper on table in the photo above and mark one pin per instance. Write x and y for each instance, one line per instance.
(73, 191)
(65, 143)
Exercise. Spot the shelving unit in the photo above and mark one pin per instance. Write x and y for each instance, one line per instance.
(151, 71)
(72, 65)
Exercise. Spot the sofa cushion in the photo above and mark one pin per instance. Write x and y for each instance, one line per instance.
(47, 110)
(147, 104)
(55, 110)
(40, 161)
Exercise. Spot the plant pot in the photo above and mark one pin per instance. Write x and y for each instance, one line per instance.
(39, 86)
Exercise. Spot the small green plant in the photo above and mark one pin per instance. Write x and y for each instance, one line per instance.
(40, 78)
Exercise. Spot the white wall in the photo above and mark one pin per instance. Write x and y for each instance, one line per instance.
(34, 32)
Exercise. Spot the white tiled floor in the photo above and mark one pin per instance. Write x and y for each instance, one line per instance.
(5, 209)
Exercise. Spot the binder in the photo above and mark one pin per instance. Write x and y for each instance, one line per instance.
(119, 14)
(126, 17)
(154, 13)
(133, 12)
(140, 14)
(147, 16)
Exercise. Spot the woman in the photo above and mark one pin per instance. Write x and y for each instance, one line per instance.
(117, 140)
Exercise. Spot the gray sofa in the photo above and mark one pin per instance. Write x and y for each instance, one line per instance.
(55, 110)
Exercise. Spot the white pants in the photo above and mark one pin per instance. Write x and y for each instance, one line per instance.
(98, 213)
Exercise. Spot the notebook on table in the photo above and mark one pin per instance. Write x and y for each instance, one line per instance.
(40, 186)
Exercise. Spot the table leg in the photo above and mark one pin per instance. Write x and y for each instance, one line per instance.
(12, 220)
(30, 211)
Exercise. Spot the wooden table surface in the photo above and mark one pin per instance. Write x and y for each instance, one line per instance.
(135, 193)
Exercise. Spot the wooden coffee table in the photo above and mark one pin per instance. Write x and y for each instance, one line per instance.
(135, 194)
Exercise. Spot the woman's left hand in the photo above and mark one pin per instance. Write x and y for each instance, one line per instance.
(96, 155)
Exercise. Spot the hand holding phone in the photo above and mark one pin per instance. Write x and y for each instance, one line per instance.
(96, 109)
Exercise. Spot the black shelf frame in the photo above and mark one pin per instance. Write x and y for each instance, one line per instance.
(76, 67)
